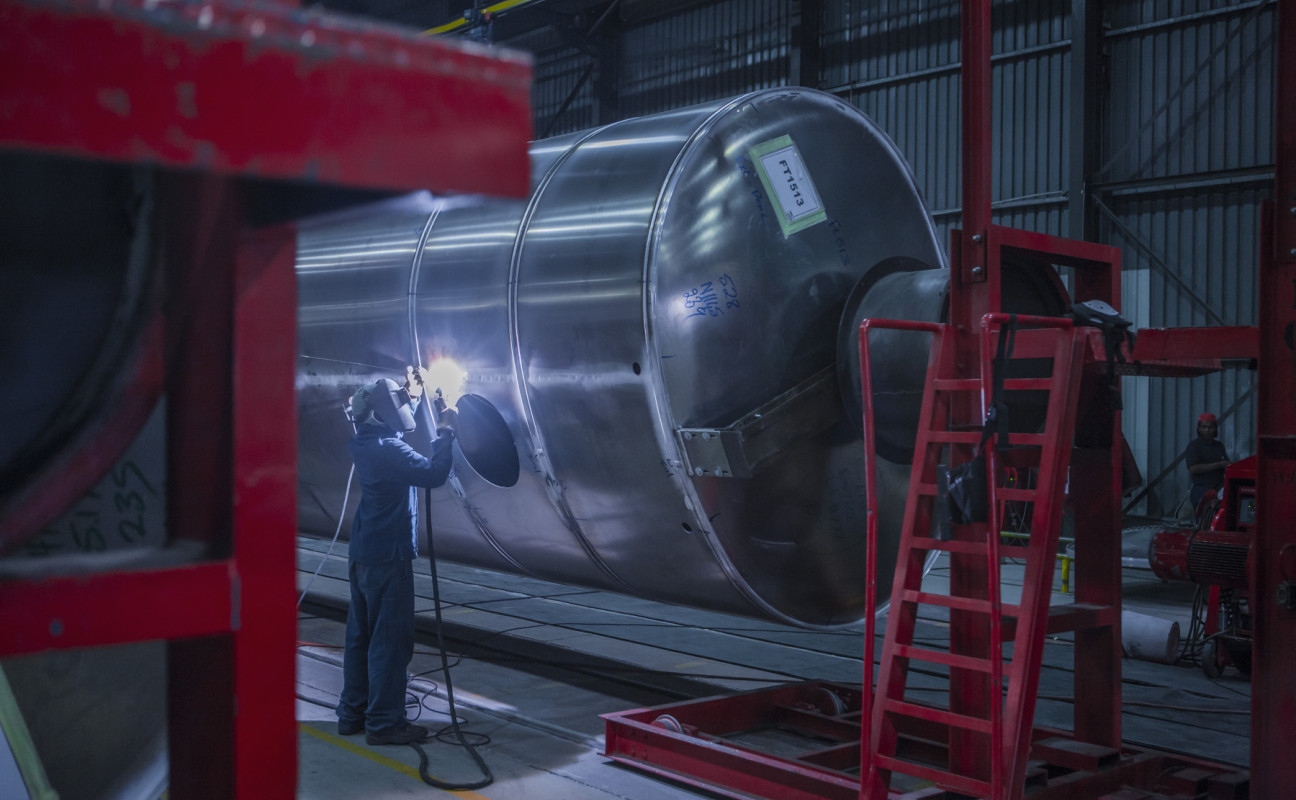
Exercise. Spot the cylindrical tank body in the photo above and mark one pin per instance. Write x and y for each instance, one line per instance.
(668, 275)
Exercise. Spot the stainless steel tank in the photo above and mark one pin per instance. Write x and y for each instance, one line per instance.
(650, 351)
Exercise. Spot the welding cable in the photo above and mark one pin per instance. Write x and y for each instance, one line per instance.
(336, 533)
(487, 777)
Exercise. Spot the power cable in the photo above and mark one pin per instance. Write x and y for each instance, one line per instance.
(487, 777)
(345, 496)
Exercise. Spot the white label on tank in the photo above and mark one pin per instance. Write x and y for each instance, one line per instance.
(788, 183)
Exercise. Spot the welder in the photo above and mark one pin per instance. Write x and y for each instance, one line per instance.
(1206, 459)
(388, 418)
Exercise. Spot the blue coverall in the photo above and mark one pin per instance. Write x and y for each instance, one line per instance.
(384, 542)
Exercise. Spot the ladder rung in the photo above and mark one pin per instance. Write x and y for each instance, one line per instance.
(960, 603)
(955, 437)
(1028, 439)
(978, 724)
(1040, 343)
(942, 657)
(949, 545)
(1028, 495)
(1028, 384)
(956, 384)
(943, 779)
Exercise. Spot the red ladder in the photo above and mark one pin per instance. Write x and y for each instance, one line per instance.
(982, 735)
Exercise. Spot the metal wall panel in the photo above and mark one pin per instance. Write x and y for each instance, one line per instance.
(898, 61)
(1187, 157)
(704, 53)
(562, 91)
(701, 53)
(1209, 242)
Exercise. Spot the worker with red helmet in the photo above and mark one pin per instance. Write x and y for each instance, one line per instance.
(1206, 458)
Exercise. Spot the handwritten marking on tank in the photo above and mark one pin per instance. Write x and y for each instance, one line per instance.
(129, 516)
(746, 168)
(712, 298)
(842, 253)
(130, 503)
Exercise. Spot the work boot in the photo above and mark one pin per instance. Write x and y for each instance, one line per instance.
(404, 733)
(349, 727)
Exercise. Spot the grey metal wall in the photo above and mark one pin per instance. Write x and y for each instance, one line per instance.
(898, 61)
(562, 93)
(1184, 142)
(1187, 158)
(702, 52)
(706, 52)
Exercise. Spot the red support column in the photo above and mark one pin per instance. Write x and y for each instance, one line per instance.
(975, 267)
(201, 220)
(1274, 648)
(232, 729)
(1095, 497)
(265, 513)
(173, 84)
(974, 291)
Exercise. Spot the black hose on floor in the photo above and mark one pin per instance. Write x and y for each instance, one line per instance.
(487, 778)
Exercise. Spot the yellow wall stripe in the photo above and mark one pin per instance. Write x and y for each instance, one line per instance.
(378, 758)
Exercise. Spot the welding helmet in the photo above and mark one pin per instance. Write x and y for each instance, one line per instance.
(383, 403)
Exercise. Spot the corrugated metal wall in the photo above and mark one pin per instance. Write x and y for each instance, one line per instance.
(1185, 142)
(1187, 157)
(898, 61)
(711, 51)
(562, 93)
(705, 52)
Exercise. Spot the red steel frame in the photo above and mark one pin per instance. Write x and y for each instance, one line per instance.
(1273, 703)
(1067, 351)
(976, 254)
(1006, 765)
(210, 94)
(938, 332)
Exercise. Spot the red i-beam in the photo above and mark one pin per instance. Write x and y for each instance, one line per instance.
(976, 255)
(218, 100)
(1273, 690)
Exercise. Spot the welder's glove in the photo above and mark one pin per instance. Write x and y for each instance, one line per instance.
(414, 378)
(447, 420)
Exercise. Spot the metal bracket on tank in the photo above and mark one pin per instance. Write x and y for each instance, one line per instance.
(736, 450)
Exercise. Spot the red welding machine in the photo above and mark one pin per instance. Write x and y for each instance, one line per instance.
(1216, 555)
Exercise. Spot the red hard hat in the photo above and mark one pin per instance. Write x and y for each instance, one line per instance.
(1207, 417)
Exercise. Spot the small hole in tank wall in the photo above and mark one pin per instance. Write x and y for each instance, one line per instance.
(635, 366)
(688, 528)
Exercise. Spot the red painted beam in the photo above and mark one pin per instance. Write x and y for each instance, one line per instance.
(117, 608)
(1233, 343)
(1056, 250)
(265, 513)
(263, 90)
(977, 155)
(1273, 705)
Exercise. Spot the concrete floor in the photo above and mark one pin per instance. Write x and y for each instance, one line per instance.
(545, 660)
(544, 736)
